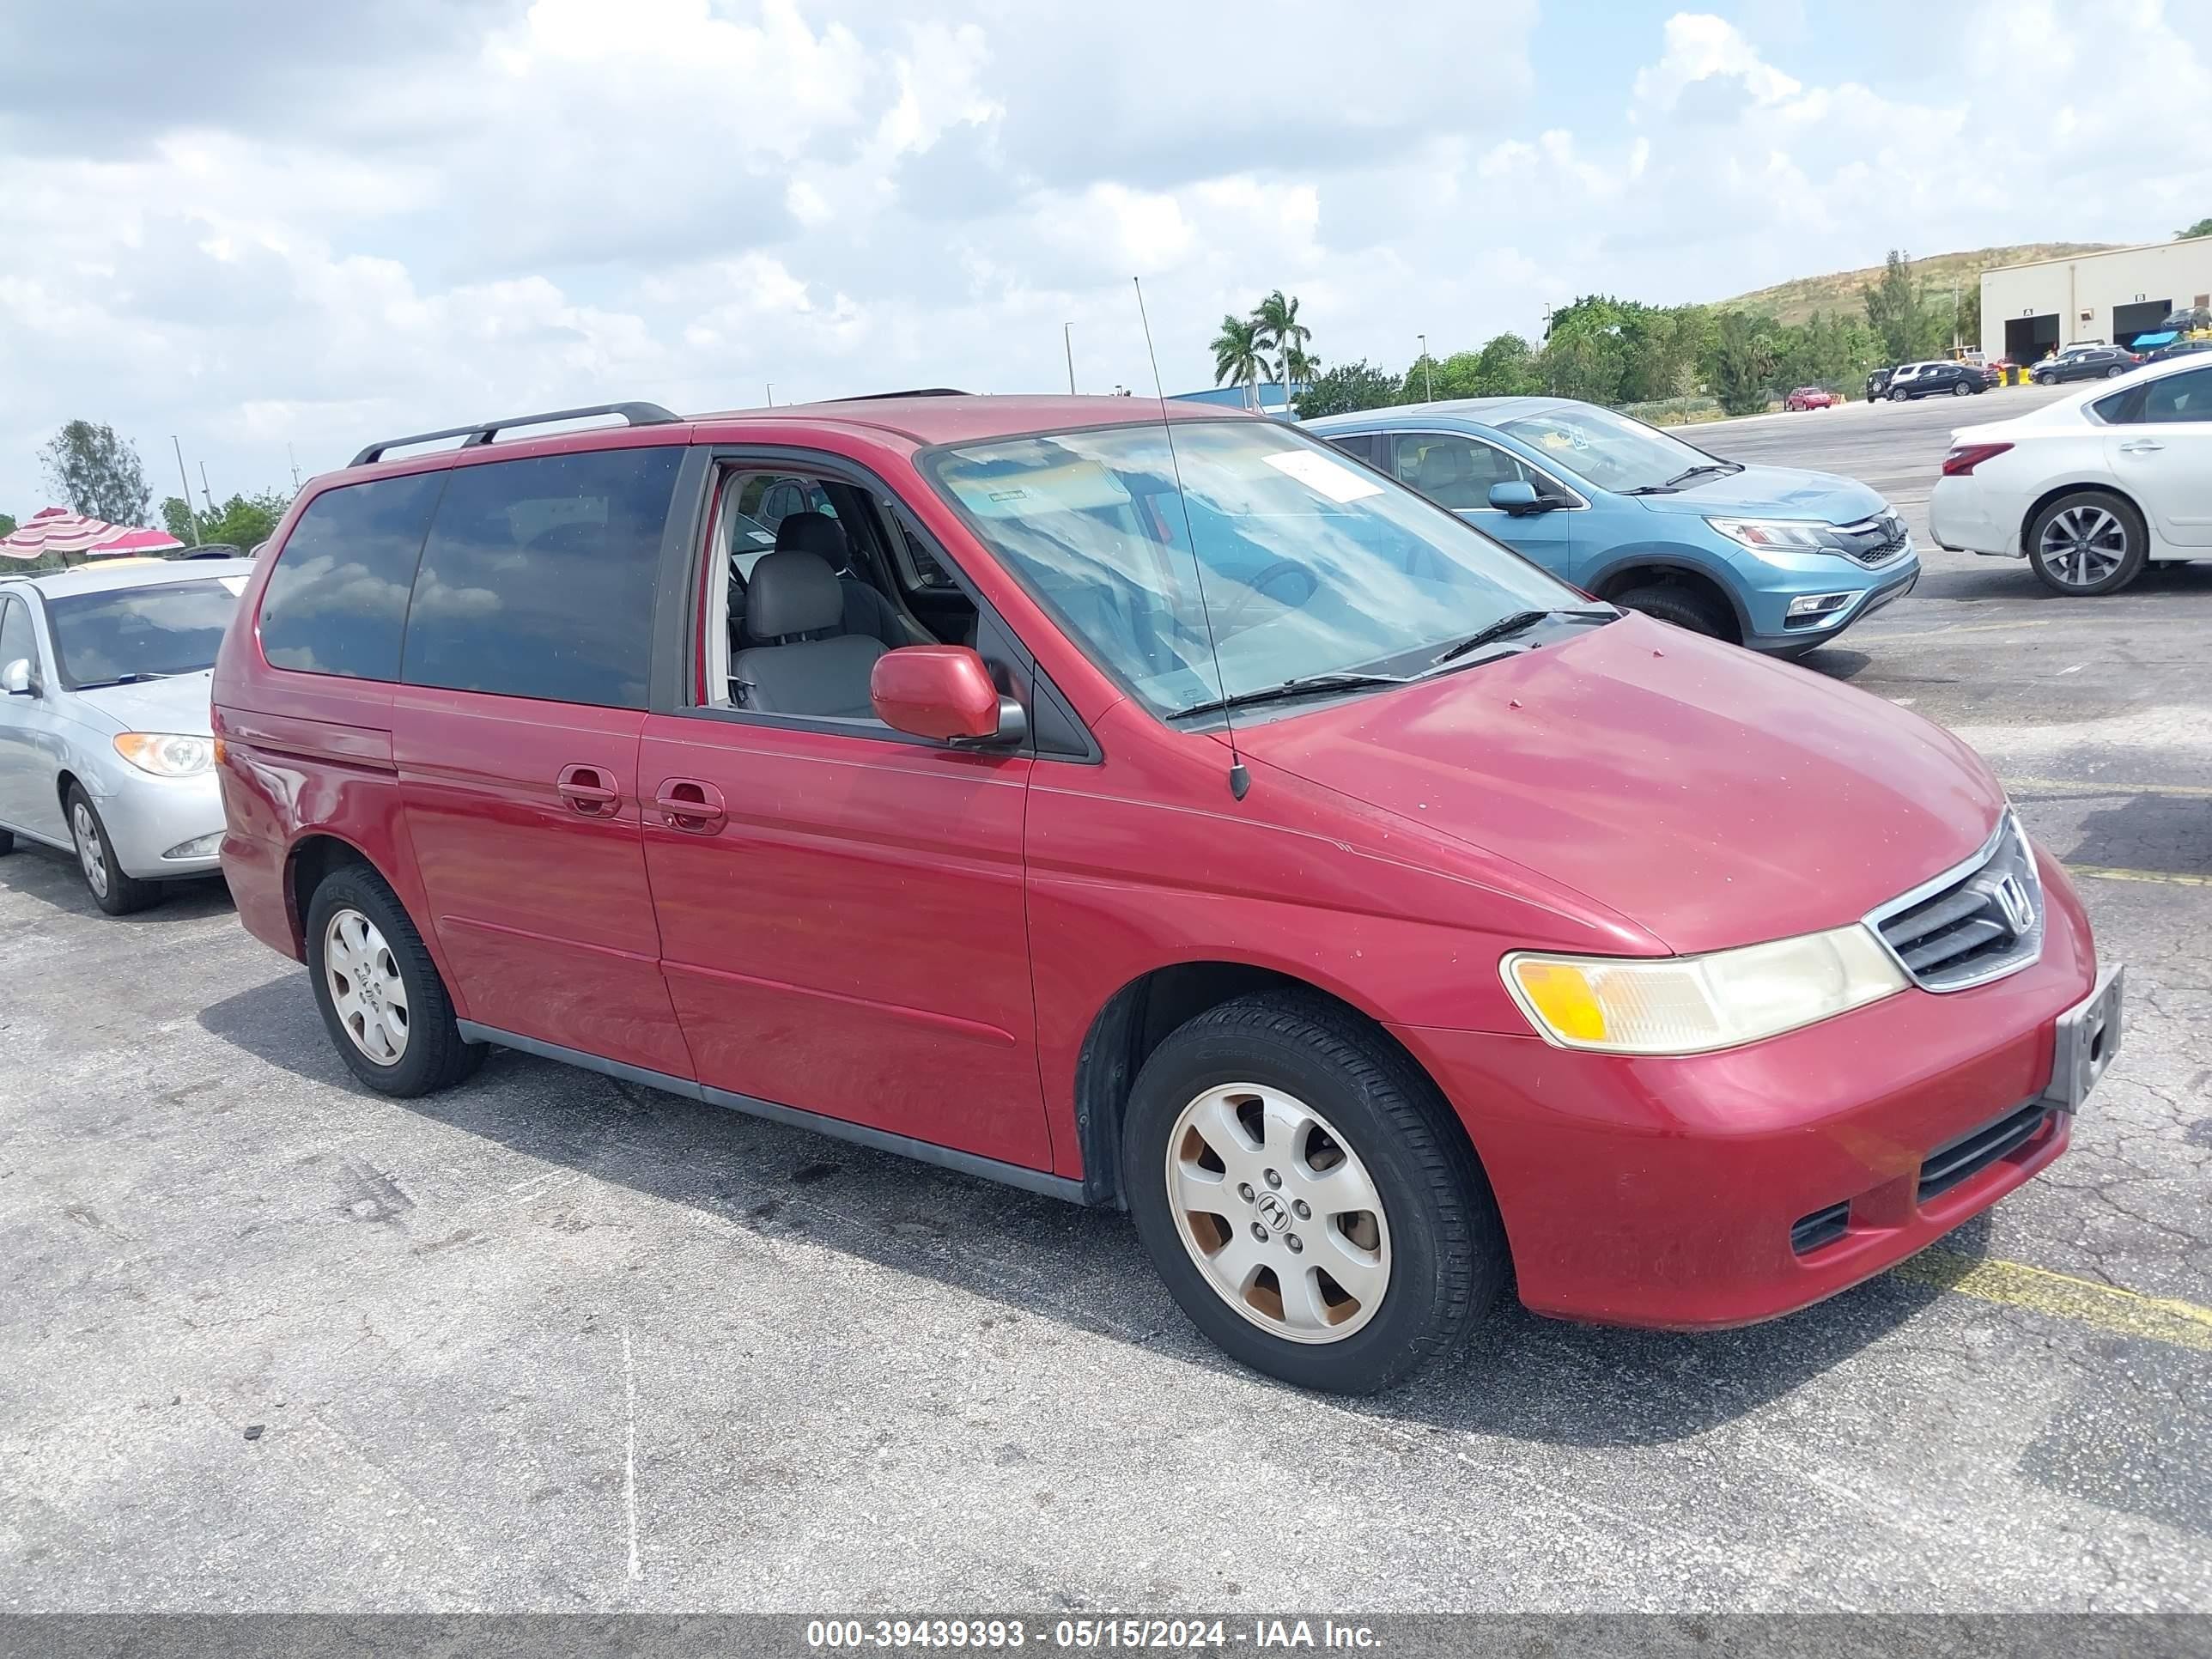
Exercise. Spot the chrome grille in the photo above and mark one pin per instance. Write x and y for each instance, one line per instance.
(1873, 541)
(1971, 924)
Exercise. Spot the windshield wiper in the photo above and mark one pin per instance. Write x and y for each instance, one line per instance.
(1700, 469)
(120, 680)
(1306, 685)
(1506, 627)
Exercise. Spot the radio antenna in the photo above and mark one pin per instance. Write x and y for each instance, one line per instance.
(1240, 781)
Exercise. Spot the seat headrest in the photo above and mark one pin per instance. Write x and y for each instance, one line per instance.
(1442, 465)
(793, 591)
(813, 533)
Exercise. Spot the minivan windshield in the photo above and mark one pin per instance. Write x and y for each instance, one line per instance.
(1610, 450)
(122, 634)
(1309, 566)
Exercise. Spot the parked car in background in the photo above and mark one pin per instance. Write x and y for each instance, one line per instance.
(1504, 936)
(2090, 488)
(2188, 346)
(105, 745)
(1941, 378)
(1811, 396)
(2083, 362)
(1877, 383)
(1771, 558)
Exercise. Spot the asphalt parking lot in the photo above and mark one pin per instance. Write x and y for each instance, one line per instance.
(556, 1342)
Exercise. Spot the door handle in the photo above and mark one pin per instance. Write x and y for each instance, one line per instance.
(2139, 445)
(588, 791)
(689, 803)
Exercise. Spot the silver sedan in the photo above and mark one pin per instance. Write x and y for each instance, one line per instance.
(105, 745)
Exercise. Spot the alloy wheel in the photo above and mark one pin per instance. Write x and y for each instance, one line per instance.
(2082, 545)
(1277, 1211)
(90, 855)
(365, 987)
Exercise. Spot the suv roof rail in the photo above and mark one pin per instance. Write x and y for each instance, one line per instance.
(916, 391)
(475, 436)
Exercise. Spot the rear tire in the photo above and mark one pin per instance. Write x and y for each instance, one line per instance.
(1342, 1118)
(396, 1031)
(1685, 607)
(113, 891)
(1896, 396)
(2087, 543)
(1960, 390)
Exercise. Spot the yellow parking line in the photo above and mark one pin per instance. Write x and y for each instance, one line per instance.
(2070, 787)
(2174, 876)
(1954, 628)
(2014, 1284)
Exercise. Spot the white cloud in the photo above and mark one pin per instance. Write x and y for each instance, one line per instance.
(479, 206)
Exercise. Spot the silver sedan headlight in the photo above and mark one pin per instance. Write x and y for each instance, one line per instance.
(165, 755)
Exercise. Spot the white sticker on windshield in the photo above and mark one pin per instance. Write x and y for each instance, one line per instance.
(1332, 478)
(235, 584)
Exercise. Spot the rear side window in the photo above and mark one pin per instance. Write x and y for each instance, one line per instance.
(337, 600)
(538, 577)
(2180, 397)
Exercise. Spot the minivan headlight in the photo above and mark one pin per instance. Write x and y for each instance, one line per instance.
(1780, 535)
(165, 755)
(1693, 1005)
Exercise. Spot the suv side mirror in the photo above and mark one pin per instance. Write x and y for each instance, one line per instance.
(944, 692)
(17, 680)
(1516, 496)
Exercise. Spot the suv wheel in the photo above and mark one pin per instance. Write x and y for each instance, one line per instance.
(1897, 395)
(112, 890)
(2087, 543)
(1684, 607)
(1302, 1191)
(380, 995)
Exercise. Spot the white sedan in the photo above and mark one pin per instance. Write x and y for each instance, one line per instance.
(2090, 489)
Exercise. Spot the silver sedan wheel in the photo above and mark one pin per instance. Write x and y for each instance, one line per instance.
(90, 855)
(365, 987)
(1278, 1213)
(2082, 545)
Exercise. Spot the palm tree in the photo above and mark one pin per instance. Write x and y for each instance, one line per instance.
(1281, 332)
(1238, 356)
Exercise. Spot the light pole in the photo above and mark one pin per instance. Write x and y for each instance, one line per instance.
(1428, 371)
(771, 394)
(1068, 342)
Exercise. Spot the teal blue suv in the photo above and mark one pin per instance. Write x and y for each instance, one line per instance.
(1769, 557)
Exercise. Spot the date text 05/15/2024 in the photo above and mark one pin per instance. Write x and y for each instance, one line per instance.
(1088, 1634)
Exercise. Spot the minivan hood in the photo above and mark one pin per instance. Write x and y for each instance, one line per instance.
(178, 704)
(1711, 795)
(1773, 492)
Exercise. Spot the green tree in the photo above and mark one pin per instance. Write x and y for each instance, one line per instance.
(1347, 389)
(97, 473)
(7, 524)
(1740, 370)
(247, 519)
(1505, 367)
(180, 521)
(2202, 228)
(1282, 333)
(1240, 355)
(1897, 311)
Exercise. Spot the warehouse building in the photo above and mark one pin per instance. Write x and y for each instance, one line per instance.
(2030, 311)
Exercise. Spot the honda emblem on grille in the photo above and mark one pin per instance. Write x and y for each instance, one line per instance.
(2013, 898)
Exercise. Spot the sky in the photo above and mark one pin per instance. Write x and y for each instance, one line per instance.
(272, 231)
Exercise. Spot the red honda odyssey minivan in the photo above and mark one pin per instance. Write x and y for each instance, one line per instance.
(1156, 811)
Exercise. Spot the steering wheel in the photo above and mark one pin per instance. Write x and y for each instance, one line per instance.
(1282, 569)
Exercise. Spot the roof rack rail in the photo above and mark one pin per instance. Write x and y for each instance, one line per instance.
(474, 436)
(917, 392)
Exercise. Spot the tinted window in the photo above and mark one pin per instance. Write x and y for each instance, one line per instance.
(16, 643)
(139, 633)
(337, 600)
(538, 579)
(1453, 471)
(1359, 444)
(2180, 397)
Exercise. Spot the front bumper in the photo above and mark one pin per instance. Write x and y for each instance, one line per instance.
(1819, 573)
(150, 817)
(1666, 1192)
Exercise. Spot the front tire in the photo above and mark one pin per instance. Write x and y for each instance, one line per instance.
(1369, 1240)
(113, 888)
(2087, 543)
(381, 998)
(1684, 607)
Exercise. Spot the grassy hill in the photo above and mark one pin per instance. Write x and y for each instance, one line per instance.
(1839, 291)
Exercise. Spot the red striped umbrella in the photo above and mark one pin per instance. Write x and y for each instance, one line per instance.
(54, 531)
